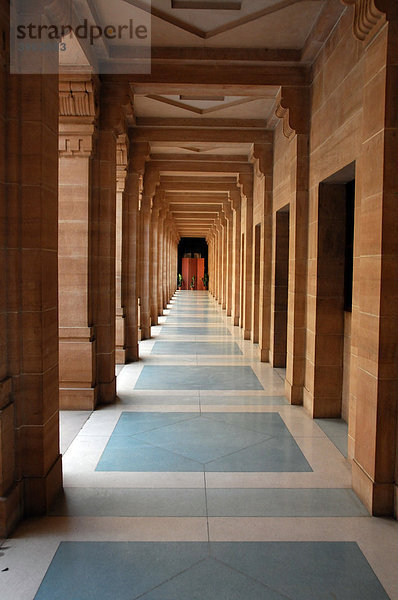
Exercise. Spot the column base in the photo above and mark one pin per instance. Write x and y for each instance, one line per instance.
(120, 356)
(293, 393)
(145, 333)
(132, 354)
(40, 492)
(264, 355)
(377, 497)
(77, 398)
(11, 510)
(77, 366)
(236, 321)
(107, 392)
(247, 334)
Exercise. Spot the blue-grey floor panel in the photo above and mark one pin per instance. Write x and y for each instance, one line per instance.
(284, 502)
(197, 442)
(337, 432)
(229, 502)
(219, 570)
(201, 348)
(126, 502)
(193, 331)
(243, 400)
(159, 377)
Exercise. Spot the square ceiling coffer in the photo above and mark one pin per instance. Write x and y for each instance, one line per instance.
(207, 4)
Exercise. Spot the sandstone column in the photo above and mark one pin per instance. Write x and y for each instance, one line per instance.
(376, 284)
(224, 262)
(115, 101)
(77, 131)
(229, 215)
(30, 463)
(121, 174)
(236, 205)
(154, 260)
(136, 168)
(151, 179)
(246, 181)
(162, 216)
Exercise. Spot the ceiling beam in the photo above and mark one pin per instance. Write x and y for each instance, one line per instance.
(195, 179)
(202, 167)
(208, 209)
(201, 123)
(203, 216)
(205, 74)
(239, 158)
(179, 55)
(156, 134)
(199, 188)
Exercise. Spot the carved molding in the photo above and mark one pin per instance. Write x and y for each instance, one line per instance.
(78, 113)
(77, 99)
(76, 140)
(246, 184)
(292, 107)
(368, 15)
(283, 113)
(261, 157)
(236, 198)
(122, 157)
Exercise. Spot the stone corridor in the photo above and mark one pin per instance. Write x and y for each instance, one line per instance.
(202, 482)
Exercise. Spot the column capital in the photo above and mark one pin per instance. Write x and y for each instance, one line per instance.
(236, 198)
(246, 183)
(117, 107)
(262, 158)
(139, 154)
(368, 16)
(151, 180)
(227, 209)
(78, 115)
(122, 151)
(293, 107)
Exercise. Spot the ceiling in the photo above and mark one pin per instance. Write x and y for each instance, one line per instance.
(200, 98)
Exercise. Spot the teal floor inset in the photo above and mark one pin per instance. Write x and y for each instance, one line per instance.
(202, 348)
(213, 442)
(159, 377)
(193, 331)
(337, 432)
(230, 502)
(215, 571)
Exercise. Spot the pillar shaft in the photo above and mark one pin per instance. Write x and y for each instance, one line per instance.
(130, 287)
(30, 463)
(154, 264)
(77, 345)
(145, 259)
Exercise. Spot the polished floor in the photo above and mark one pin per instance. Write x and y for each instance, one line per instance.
(202, 483)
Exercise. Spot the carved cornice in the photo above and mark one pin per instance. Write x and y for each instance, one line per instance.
(151, 181)
(78, 113)
(78, 99)
(246, 184)
(368, 16)
(283, 113)
(76, 140)
(122, 157)
(292, 106)
(261, 157)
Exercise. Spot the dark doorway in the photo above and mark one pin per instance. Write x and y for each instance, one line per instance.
(256, 279)
(193, 248)
(336, 213)
(281, 287)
